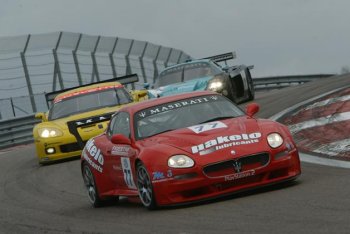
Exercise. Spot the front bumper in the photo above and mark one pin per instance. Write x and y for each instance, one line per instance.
(66, 146)
(63, 149)
(194, 185)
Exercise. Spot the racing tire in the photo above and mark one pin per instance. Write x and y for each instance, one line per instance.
(145, 188)
(231, 91)
(251, 91)
(90, 185)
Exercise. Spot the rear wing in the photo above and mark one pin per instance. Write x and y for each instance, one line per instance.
(128, 79)
(222, 57)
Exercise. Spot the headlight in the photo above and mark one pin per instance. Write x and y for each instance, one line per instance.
(275, 140)
(180, 161)
(49, 132)
(215, 85)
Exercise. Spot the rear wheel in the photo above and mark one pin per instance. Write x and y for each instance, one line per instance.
(90, 185)
(144, 186)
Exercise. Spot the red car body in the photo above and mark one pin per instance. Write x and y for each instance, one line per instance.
(229, 155)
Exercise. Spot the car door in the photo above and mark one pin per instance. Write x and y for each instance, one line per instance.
(121, 157)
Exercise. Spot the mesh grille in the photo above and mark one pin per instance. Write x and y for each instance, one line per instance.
(237, 165)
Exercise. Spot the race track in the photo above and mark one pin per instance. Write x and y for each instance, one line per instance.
(52, 199)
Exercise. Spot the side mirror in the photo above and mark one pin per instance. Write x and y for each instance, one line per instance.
(225, 68)
(120, 139)
(40, 115)
(138, 94)
(142, 93)
(146, 85)
(252, 109)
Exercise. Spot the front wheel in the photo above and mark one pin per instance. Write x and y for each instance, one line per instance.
(144, 186)
(90, 185)
(251, 91)
(230, 90)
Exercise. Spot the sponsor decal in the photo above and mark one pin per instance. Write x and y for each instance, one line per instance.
(73, 126)
(121, 150)
(58, 99)
(95, 159)
(240, 175)
(223, 142)
(175, 105)
(169, 173)
(117, 168)
(157, 175)
(92, 120)
(92, 163)
(128, 177)
(207, 126)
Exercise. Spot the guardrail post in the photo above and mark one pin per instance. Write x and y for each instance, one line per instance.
(168, 58)
(57, 69)
(76, 62)
(94, 63)
(26, 74)
(142, 64)
(56, 72)
(155, 74)
(128, 67)
(114, 72)
(178, 60)
(13, 107)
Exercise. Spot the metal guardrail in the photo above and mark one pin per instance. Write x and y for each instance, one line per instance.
(17, 131)
(278, 82)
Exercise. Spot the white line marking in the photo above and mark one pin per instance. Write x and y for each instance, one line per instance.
(323, 161)
(334, 148)
(294, 128)
(327, 102)
(296, 106)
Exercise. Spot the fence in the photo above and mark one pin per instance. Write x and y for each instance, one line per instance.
(34, 64)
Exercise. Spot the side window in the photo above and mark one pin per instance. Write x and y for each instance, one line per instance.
(120, 124)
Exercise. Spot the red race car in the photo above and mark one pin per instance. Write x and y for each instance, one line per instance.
(186, 148)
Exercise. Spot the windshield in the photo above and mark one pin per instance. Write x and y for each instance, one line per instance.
(170, 76)
(90, 101)
(187, 72)
(198, 70)
(182, 114)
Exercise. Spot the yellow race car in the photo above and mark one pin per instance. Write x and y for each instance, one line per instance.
(79, 113)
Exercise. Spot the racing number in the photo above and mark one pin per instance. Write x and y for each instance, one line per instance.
(127, 172)
(207, 126)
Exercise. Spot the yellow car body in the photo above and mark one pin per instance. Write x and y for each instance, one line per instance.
(63, 132)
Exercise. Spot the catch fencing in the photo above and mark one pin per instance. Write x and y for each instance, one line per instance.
(33, 65)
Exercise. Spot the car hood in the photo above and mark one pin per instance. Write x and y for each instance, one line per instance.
(183, 87)
(238, 136)
(62, 122)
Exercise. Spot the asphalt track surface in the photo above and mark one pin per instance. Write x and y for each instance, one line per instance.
(52, 199)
